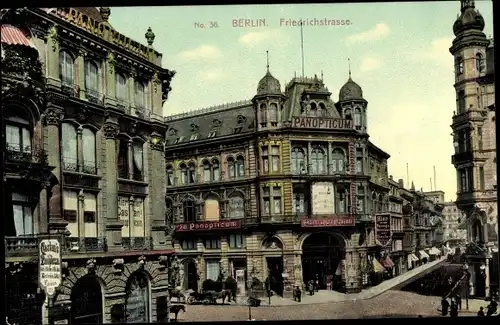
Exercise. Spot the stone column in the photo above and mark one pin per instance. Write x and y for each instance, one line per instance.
(79, 141)
(309, 163)
(80, 219)
(80, 73)
(53, 117)
(131, 91)
(130, 160)
(329, 155)
(113, 225)
(52, 58)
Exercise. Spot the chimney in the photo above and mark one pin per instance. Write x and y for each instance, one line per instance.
(401, 183)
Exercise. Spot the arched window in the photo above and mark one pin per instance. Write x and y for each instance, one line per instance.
(347, 114)
(69, 147)
(89, 151)
(318, 161)
(236, 207)
(189, 211)
(321, 110)
(273, 113)
(137, 299)
(298, 160)
(138, 161)
(170, 175)
(169, 213)
(121, 88)
(479, 62)
(263, 113)
(191, 173)
(17, 132)
(231, 167)
(215, 170)
(207, 173)
(460, 65)
(139, 98)
(313, 110)
(357, 117)
(338, 161)
(184, 174)
(66, 68)
(240, 166)
(91, 76)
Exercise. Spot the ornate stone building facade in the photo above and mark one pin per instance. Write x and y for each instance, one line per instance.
(453, 220)
(84, 137)
(285, 185)
(475, 141)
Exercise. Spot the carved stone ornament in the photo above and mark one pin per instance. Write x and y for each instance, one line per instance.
(118, 265)
(112, 62)
(53, 116)
(111, 129)
(91, 265)
(163, 260)
(157, 142)
(54, 38)
(141, 261)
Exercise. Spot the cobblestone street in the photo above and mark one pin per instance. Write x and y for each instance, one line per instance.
(390, 303)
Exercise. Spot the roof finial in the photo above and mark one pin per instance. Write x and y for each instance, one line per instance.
(349, 63)
(267, 54)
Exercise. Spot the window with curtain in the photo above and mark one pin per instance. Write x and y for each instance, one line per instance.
(123, 166)
(357, 117)
(216, 170)
(240, 166)
(231, 167)
(213, 269)
(191, 173)
(236, 241)
(170, 176)
(236, 207)
(69, 147)
(121, 88)
(338, 161)
(18, 135)
(138, 161)
(266, 200)
(70, 211)
(184, 173)
(66, 68)
(189, 211)
(265, 159)
(90, 215)
(277, 200)
(89, 151)
(318, 161)
(23, 215)
(140, 95)
(273, 114)
(91, 77)
(298, 161)
(207, 172)
(275, 158)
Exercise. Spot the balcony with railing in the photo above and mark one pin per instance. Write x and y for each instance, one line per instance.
(281, 219)
(462, 157)
(137, 243)
(94, 97)
(72, 165)
(70, 89)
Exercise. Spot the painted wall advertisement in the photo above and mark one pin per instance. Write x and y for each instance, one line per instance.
(49, 266)
(383, 229)
(323, 198)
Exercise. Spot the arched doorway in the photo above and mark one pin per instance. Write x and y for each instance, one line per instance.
(272, 247)
(322, 255)
(137, 299)
(86, 301)
(190, 275)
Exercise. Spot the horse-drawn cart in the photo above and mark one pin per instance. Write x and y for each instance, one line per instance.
(207, 297)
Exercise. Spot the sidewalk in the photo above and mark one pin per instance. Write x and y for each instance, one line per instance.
(333, 296)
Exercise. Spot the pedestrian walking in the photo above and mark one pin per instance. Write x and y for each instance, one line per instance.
(297, 293)
(310, 287)
(491, 308)
(444, 306)
(480, 312)
(453, 309)
(458, 299)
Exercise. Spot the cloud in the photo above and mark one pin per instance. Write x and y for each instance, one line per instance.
(378, 32)
(253, 39)
(370, 63)
(437, 51)
(212, 75)
(201, 52)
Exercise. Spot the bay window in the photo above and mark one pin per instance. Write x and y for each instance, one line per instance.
(23, 214)
(67, 68)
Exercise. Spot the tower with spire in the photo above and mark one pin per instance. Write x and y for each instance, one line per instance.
(351, 104)
(269, 100)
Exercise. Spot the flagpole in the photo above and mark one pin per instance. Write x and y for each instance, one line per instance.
(302, 45)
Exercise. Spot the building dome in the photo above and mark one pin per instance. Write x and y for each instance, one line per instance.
(469, 19)
(350, 90)
(268, 85)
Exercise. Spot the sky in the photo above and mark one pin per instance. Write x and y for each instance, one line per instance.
(399, 54)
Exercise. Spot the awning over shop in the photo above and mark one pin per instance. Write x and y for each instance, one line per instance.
(387, 263)
(13, 36)
(414, 258)
(377, 267)
(423, 255)
(435, 251)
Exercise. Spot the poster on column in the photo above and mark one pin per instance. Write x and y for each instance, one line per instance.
(50, 277)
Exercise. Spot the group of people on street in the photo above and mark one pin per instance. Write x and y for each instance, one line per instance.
(455, 305)
(490, 309)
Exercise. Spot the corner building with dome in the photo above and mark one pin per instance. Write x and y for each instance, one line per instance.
(286, 185)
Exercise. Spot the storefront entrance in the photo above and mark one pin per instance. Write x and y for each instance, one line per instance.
(190, 275)
(86, 301)
(322, 254)
(275, 269)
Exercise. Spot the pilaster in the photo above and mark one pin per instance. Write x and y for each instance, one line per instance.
(52, 58)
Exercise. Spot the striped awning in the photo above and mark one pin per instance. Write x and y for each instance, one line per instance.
(13, 36)
(387, 262)
(423, 254)
(434, 251)
(377, 267)
(414, 258)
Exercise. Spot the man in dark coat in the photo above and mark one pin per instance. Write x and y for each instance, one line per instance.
(444, 306)
(454, 309)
